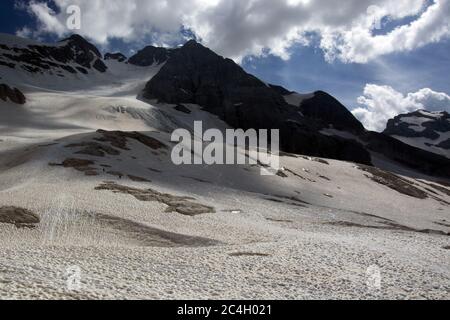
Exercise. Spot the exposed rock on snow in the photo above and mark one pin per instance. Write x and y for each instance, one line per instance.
(182, 205)
(18, 216)
(94, 149)
(395, 182)
(387, 225)
(77, 163)
(82, 165)
(14, 95)
(118, 139)
(115, 56)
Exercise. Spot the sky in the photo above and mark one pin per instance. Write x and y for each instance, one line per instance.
(380, 58)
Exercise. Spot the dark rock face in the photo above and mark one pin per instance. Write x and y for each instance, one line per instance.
(416, 158)
(14, 95)
(84, 53)
(183, 109)
(195, 74)
(281, 90)
(99, 66)
(330, 111)
(305, 139)
(150, 55)
(115, 56)
(444, 144)
(41, 58)
(432, 125)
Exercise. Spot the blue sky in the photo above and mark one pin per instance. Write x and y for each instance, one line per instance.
(355, 69)
(307, 71)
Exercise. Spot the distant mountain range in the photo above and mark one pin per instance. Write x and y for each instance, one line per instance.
(314, 124)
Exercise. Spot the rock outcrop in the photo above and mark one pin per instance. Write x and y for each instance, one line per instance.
(19, 217)
(116, 56)
(11, 94)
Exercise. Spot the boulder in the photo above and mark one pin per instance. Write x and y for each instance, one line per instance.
(18, 216)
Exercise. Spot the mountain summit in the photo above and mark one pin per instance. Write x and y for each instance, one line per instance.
(74, 55)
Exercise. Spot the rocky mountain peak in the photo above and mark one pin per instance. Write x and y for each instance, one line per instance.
(74, 55)
(78, 42)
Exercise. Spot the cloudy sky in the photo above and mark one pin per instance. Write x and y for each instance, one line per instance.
(379, 57)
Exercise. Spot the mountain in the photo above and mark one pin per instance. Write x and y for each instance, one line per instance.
(423, 129)
(314, 124)
(88, 186)
(73, 55)
(196, 75)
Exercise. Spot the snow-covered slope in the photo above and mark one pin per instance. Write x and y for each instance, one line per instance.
(113, 205)
(426, 130)
(140, 227)
(74, 55)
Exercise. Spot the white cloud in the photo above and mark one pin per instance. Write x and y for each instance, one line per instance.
(25, 32)
(381, 103)
(237, 28)
(47, 18)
